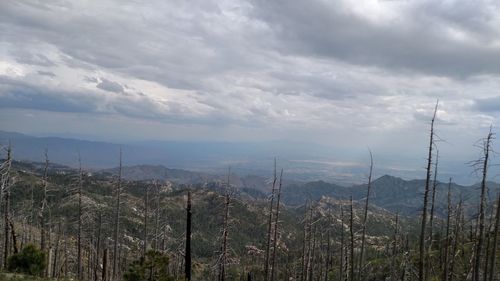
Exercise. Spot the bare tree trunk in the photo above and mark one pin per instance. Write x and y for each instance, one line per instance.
(365, 217)
(157, 216)
(117, 222)
(79, 237)
(495, 242)
(304, 246)
(56, 250)
(309, 246)
(431, 216)
(487, 249)
(225, 231)
(43, 206)
(342, 243)
(394, 250)
(422, 248)
(351, 229)
(145, 231)
(187, 256)
(98, 245)
(456, 239)
(6, 194)
(105, 265)
(328, 244)
(479, 246)
(276, 221)
(269, 226)
(447, 238)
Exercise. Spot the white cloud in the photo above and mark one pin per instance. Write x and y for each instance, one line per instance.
(279, 69)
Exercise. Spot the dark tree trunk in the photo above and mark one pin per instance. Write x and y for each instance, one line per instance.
(79, 236)
(480, 238)
(365, 217)
(447, 238)
(187, 260)
(495, 242)
(117, 222)
(269, 226)
(422, 248)
(351, 229)
(394, 250)
(275, 240)
(145, 231)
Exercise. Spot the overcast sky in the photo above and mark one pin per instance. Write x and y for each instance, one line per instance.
(346, 74)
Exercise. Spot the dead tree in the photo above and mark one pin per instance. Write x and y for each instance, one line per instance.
(117, 221)
(157, 216)
(105, 265)
(145, 230)
(495, 242)
(351, 230)
(276, 221)
(269, 225)
(431, 215)
(394, 250)
(79, 238)
(479, 246)
(342, 243)
(365, 217)
(304, 246)
(487, 249)
(44, 205)
(422, 248)
(433, 199)
(187, 255)
(56, 250)
(223, 259)
(97, 245)
(309, 246)
(5, 194)
(447, 238)
(456, 237)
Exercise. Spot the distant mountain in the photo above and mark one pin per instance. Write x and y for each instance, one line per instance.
(391, 193)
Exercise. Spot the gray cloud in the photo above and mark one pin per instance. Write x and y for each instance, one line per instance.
(46, 73)
(277, 69)
(488, 104)
(418, 40)
(111, 86)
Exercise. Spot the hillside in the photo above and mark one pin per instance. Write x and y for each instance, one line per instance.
(248, 215)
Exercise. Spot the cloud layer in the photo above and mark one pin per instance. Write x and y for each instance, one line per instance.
(366, 70)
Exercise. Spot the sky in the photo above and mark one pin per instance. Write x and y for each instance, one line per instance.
(346, 75)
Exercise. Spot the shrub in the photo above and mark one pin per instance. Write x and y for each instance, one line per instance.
(153, 266)
(29, 261)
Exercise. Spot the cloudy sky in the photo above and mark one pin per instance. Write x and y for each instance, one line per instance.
(345, 74)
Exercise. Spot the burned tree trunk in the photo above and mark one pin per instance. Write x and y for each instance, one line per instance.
(5, 194)
(79, 236)
(447, 238)
(117, 222)
(275, 240)
(145, 230)
(269, 226)
(98, 245)
(394, 250)
(187, 256)
(157, 216)
(351, 256)
(495, 242)
(304, 246)
(44, 205)
(480, 238)
(342, 243)
(422, 248)
(225, 232)
(365, 217)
